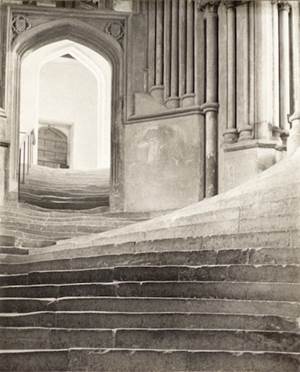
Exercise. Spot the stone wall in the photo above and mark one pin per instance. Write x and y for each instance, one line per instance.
(164, 163)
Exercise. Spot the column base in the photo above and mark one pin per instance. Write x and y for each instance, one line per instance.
(157, 92)
(188, 100)
(173, 102)
(244, 160)
(230, 135)
(245, 133)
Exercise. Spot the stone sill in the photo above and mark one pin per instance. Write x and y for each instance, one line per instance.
(249, 144)
(181, 111)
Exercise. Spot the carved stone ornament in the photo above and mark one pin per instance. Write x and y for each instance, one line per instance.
(115, 29)
(20, 24)
(284, 6)
(210, 5)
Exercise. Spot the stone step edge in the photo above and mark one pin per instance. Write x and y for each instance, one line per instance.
(149, 267)
(104, 350)
(183, 266)
(69, 252)
(117, 282)
(114, 331)
(122, 298)
(105, 312)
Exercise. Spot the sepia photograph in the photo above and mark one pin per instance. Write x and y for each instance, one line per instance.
(150, 186)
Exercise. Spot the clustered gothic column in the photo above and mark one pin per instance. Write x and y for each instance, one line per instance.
(171, 52)
(210, 107)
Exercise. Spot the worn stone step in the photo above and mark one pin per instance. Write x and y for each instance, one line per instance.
(246, 273)
(135, 360)
(196, 289)
(279, 256)
(88, 319)
(150, 304)
(13, 250)
(55, 203)
(173, 339)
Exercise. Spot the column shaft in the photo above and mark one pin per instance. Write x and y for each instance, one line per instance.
(159, 43)
(182, 47)
(190, 48)
(157, 91)
(174, 50)
(230, 133)
(211, 57)
(167, 47)
(151, 44)
(211, 159)
(199, 56)
(242, 71)
(173, 101)
(263, 69)
(275, 65)
(294, 135)
(210, 108)
(284, 65)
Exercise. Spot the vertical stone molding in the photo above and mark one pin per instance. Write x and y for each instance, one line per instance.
(230, 134)
(242, 71)
(199, 55)
(151, 44)
(173, 101)
(284, 52)
(3, 121)
(263, 70)
(167, 47)
(182, 48)
(4, 144)
(188, 98)
(293, 142)
(210, 107)
(158, 89)
(276, 112)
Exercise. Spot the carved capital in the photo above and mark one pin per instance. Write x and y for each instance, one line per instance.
(284, 6)
(229, 3)
(243, 2)
(209, 6)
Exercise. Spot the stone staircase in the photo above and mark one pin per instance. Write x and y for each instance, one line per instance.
(65, 188)
(214, 287)
(223, 310)
(36, 227)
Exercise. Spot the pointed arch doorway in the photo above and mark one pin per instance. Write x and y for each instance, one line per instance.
(97, 43)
